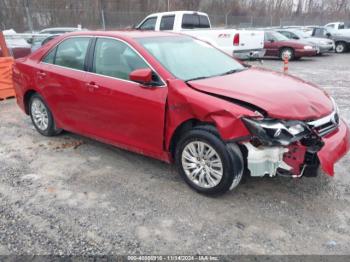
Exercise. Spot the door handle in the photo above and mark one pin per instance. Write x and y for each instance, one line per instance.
(92, 85)
(41, 74)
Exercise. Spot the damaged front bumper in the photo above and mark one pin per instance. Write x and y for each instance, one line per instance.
(295, 148)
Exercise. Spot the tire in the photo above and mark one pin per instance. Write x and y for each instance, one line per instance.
(340, 47)
(41, 116)
(287, 51)
(228, 162)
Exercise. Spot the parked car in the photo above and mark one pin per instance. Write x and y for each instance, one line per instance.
(322, 45)
(243, 44)
(16, 44)
(342, 41)
(48, 34)
(277, 45)
(40, 40)
(59, 30)
(211, 115)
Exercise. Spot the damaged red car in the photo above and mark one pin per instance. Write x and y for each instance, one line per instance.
(178, 99)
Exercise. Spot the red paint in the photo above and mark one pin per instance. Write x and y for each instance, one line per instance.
(144, 119)
(337, 144)
(282, 96)
(143, 76)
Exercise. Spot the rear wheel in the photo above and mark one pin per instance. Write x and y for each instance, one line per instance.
(42, 117)
(340, 47)
(287, 53)
(207, 164)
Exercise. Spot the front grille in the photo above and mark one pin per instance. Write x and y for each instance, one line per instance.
(325, 125)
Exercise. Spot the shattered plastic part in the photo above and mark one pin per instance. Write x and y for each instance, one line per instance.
(295, 158)
(265, 160)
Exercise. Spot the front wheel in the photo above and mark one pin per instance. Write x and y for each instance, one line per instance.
(287, 53)
(207, 164)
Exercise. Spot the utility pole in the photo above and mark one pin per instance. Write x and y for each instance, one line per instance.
(29, 18)
(103, 15)
(168, 5)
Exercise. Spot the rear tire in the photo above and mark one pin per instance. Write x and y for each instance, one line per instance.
(41, 116)
(207, 164)
(340, 47)
(289, 52)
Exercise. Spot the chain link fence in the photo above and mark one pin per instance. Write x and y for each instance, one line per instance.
(25, 19)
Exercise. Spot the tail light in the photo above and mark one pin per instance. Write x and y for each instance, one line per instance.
(236, 39)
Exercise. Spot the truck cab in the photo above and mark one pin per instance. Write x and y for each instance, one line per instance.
(243, 44)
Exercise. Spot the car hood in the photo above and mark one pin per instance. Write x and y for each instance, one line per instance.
(279, 95)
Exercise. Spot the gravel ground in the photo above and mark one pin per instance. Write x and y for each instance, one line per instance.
(72, 195)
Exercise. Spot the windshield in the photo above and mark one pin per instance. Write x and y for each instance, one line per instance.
(187, 58)
(276, 36)
(301, 34)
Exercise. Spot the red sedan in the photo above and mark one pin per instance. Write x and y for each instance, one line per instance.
(277, 45)
(178, 99)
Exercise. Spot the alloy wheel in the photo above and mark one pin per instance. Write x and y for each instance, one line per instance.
(40, 114)
(202, 164)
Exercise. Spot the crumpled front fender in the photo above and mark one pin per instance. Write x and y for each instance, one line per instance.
(337, 144)
(185, 103)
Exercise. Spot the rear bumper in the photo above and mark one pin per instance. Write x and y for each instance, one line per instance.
(337, 144)
(249, 54)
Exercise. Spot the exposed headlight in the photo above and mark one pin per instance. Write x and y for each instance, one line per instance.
(276, 132)
(308, 47)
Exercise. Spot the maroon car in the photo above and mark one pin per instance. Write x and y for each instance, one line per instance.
(18, 47)
(278, 45)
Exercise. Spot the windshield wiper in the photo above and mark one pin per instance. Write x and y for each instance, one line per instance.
(196, 78)
(232, 72)
(226, 73)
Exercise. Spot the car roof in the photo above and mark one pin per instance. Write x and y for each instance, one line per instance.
(177, 13)
(124, 33)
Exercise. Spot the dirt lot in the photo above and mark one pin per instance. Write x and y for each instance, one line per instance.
(72, 195)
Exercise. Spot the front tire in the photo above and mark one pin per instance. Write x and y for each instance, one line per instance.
(207, 164)
(41, 116)
(340, 47)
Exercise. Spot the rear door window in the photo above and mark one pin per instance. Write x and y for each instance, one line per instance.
(72, 52)
(149, 24)
(190, 21)
(167, 22)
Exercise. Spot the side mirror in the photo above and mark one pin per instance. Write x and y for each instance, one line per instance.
(328, 35)
(296, 38)
(271, 40)
(142, 76)
(30, 41)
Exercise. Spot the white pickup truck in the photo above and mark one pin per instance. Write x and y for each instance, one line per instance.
(243, 44)
(338, 26)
